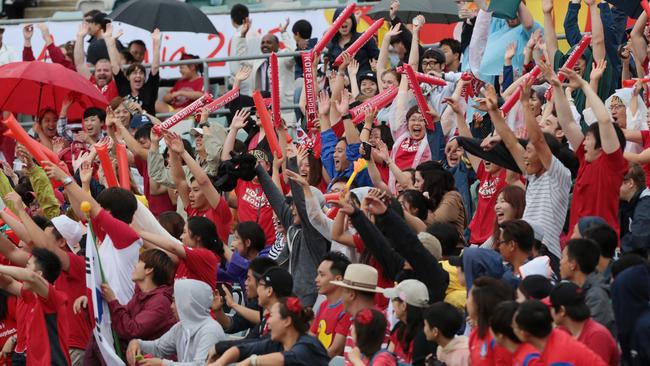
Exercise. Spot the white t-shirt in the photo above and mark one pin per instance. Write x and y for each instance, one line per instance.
(547, 201)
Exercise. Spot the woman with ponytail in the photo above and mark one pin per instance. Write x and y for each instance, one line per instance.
(289, 343)
(198, 254)
(368, 334)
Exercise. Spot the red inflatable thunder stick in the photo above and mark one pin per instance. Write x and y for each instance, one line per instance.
(379, 101)
(331, 32)
(309, 84)
(571, 61)
(183, 113)
(218, 103)
(123, 166)
(514, 97)
(419, 97)
(267, 125)
(360, 42)
(51, 156)
(275, 89)
(631, 82)
(424, 78)
(107, 165)
(646, 7)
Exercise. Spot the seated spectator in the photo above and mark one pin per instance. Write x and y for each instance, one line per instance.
(191, 338)
(367, 336)
(186, 90)
(532, 323)
(607, 241)
(504, 335)
(441, 323)
(331, 322)
(289, 343)
(633, 213)
(578, 265)
(534, 287)
(571, 313)
(247, 243)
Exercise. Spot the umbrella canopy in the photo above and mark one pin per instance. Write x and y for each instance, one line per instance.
(438, 11)
(33, 86)
(166, 15)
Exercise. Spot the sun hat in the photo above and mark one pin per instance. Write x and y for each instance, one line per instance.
(360, 277)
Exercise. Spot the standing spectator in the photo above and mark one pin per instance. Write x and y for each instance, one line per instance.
(571, 313)
(137, 49)
(102, 78)
(191, 338)
(97, 47)
(239, 17)
(7, 53)
(346, 35)
(331, 322)
(578, 265)
(453, 53)
(60, 55)
(533, 324)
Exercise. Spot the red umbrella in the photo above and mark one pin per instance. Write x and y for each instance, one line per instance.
(33, 86)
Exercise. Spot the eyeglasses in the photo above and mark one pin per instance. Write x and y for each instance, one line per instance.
(429, 63)
(616, 106)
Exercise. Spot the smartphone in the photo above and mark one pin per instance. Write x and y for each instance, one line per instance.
(367, 150)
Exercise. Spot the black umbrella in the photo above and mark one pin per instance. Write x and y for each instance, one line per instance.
(166, 15)
(434, 11)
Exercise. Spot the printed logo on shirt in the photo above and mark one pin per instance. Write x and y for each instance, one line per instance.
(323, 336)
(410, 145)
(255, 199)
(489, 188)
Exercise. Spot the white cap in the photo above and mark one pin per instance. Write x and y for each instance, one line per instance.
(69, 230)
(412, 292)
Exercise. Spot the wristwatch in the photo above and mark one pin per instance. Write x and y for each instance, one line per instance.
(67, 181)
(254, 360)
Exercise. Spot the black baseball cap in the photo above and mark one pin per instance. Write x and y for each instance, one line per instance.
(368, 76)
(279, 280)
(536, 287)
(436, 54)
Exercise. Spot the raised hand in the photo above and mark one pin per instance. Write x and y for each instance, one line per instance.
(156, 36)
(323, 103)
(371, 115)
(510, 52)
(549, 74)
(15, 198)
(343, 106)
(394, 30)
(575, 81)
(45, 32)
(346, 60)
(296, 178)
(454, 104)
(174, 142)
(418, 23)
(597, 70)
(53, 171)
(28, 32)
(245, 27)
(394, 8)
(547, 6)
(353, 68)
(240, 120)
(283, 27)
(86, 172)
(244, 72)
(82, 31)
(375, 202)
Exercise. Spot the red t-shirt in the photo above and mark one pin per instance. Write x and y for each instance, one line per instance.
(382, 281)
(47, 330)
(252, 205)
(562, 349)
(406, 152)
(404, 355)
(200, 264)
(526, 355)
(157, 203)
(489, 187)
(73, 283)
(597, 188)
(109, 90)
(595, 336)
(645, 135)
(190, 85)
(220, 215)
(330, 321)
(8, 325)
(485, 351)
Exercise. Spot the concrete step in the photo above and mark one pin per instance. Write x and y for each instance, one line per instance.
(57, 3)
(46, 11)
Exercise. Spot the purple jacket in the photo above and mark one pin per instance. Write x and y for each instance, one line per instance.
(147, 315)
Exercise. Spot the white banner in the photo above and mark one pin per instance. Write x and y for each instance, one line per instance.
(176, 43)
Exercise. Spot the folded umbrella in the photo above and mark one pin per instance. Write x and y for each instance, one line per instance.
(33, 86)
(166, 15)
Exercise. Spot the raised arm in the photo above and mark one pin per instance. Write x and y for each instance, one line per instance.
(597, 31)
(173, 247)
(239, 121)
(382, 61)
(535, 134)
(79, 57)
(414, 52)
(639, 44)
(156, 37)
(549, 30)
(113, 53)
(500, 125)
(525, 17)
(571, 129)
(11, 252)
(343, 107)
(28, 277)
(176, 169)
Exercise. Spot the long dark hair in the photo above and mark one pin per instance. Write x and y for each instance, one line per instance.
(487, 293)
(205, 231)
(516, 197)
(414, 324)
(437, 181)
(370, 326)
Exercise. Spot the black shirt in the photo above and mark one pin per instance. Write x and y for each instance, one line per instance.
(148, 94)
(308, 351)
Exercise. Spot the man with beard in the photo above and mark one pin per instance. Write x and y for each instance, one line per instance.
(260, 76)
(103, 76)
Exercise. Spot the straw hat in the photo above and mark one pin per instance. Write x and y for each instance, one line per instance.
(360, 277)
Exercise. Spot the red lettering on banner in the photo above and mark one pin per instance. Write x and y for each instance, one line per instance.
(216, 49)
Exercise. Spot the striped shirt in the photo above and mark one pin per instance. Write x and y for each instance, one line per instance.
(547, 201)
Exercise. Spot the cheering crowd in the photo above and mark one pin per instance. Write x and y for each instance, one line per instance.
(481, 202)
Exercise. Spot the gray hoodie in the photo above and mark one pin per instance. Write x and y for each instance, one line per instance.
(305, 245)
(598, 301)
(192, 337)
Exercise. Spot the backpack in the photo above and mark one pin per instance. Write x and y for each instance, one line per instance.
(397, 361)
